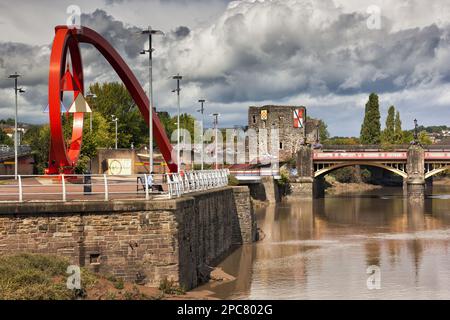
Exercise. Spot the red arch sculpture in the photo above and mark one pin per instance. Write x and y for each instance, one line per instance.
(61, 158)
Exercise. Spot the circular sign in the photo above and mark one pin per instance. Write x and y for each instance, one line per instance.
(115, 167)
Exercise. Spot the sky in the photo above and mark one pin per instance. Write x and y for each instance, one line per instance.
(327, 55)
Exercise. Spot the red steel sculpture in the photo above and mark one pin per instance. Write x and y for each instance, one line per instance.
(61, 158)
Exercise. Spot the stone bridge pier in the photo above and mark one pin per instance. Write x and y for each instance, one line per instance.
(310, 184)
(415, 169)
(305, 185)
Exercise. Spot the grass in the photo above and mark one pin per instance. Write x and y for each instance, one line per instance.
(169, 287)
(43, 277)
(38, 277)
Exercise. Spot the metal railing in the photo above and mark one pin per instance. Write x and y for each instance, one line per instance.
(399, 147)
(105, 187)
(193, 181)
(262, 172)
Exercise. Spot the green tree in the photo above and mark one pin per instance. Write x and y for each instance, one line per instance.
(167, 121)
(371, 127)
(38, 137)
(398, 132)
(100, 137)
(423, 138)
(324, 135)
(407, 137)
(5, 139)
(388, 135)
(113, 99)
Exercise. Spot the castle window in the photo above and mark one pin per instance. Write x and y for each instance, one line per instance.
(281, 145)
(254, 119)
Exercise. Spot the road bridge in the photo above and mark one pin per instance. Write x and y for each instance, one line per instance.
(414, 163)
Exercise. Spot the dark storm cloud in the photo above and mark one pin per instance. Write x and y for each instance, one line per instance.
(181, 32)
(258, 52)
(264, 60)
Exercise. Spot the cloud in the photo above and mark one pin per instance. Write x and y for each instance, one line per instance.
(315, 53)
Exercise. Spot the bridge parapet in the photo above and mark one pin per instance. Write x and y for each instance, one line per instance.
(414, 164)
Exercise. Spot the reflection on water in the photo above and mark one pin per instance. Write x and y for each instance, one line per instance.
(321, 249)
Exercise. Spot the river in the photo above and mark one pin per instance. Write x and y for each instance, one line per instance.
(371, 245)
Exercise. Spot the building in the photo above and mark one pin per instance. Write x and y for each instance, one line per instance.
(25, 157)
(9, 130)
(291, 121)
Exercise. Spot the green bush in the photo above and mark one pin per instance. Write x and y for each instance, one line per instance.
(284, 180)
(37, 277)
(345, 175)
(169, 287)
(232, 180)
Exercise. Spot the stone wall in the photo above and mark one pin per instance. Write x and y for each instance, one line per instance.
(143, 241)
(281, 118)
(267, 190)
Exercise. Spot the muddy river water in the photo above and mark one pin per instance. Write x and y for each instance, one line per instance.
(371, 245)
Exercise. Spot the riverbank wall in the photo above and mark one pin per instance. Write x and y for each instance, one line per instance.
(139, 241)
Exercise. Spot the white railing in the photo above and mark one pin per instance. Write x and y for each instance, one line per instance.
(262, 172)
(193, 181)
(105, 187)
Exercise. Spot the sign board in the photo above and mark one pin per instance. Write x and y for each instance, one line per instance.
(264, 115)
(119, 167)
(360, 156)
(299, 117)
(79, 105)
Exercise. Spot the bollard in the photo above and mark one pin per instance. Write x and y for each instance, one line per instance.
(87, 183)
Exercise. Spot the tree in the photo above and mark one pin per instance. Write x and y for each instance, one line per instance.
(371, 127)
(398, 132)
(167, 122)
(423, 138)
(38, 137)
(5, 139)
(388, 136)
(114, 99)
(324, 135)
(99, 138)
(407, 137)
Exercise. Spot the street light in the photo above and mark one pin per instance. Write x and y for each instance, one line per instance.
(177, 90)
(202, 109)
(91, 96)
(416, 136)
(17, 90)
(216, 128)
(115, 119)
(150, 32)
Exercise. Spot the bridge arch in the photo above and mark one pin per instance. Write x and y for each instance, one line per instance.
(67, 40)
(436, 171)
(331, 167)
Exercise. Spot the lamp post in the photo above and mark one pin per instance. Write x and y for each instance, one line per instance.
(17, 90)
(202, 110)
(416, 136)
(216, 128)
(177, 90)
(150, 32)
(91, 96)
(115, 119)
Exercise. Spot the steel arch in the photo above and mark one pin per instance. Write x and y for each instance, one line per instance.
(339, 165)
(61, 158)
